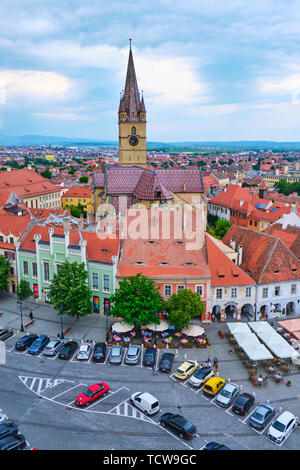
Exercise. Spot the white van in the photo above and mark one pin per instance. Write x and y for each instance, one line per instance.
(145, 402)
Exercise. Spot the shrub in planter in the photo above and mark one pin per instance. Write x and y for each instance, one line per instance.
(160, 345)
(221, 334)
(188, 345)
(173, 345)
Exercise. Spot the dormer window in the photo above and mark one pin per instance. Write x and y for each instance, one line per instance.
(158, 194)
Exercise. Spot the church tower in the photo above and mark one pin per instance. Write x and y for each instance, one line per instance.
(132, 122)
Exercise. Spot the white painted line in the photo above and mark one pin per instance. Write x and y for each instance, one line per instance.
(66, 391)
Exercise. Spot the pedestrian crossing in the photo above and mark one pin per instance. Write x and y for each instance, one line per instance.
(38, 384)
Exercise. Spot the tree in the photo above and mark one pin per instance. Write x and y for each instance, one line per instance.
(137, 300)
(4, 272)
(221, 228)
(83, 179)
(46, 174)
(69, 288)
(23, 290)
(184, 305)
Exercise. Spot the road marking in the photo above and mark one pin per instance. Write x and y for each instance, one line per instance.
(39, 384)
(66, 391)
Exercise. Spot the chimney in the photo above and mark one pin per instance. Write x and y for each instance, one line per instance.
(240, 255)
(232, 243)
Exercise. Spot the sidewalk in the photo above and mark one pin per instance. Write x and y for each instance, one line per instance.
(48, 322)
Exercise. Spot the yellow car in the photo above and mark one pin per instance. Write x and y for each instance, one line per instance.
(186, 369)
(213, 386)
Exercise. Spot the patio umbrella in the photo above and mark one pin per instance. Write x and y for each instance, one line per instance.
(193, 330)
(121, 327)
(161, 327)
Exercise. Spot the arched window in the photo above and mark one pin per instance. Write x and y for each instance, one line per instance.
(133, 130)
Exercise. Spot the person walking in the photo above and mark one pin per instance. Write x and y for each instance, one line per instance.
(208, 362)
(214, 361)
(216, 366)
(30, 315)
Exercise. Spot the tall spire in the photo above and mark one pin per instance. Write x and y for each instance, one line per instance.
(131, 97)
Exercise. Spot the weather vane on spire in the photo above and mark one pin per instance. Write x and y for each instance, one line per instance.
(130, 42)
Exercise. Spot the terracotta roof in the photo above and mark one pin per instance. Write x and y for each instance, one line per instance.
(224, 272)
(290, 236)
(97, 249)
(262, 254)
(78, 191)
(160, 257)
(13, 224)
(25, 183)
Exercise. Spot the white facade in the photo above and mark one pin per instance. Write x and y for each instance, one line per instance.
(233, 301)
(219, 211)
(278, 299)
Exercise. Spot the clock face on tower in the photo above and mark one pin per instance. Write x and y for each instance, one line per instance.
(133, 140)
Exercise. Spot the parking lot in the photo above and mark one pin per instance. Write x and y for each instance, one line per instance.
(56, 383)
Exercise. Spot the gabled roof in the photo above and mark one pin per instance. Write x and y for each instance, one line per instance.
(97, 249)
(263, 254)
(224, 272)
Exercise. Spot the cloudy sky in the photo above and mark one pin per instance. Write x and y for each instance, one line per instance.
(210, 70)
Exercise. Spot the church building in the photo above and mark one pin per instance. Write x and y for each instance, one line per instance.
(131, 182)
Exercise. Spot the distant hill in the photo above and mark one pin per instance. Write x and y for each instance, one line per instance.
(24, 140)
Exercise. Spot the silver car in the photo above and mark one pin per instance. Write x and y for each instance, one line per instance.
(53, 347)
(84, 352)
(132, 354)
(227, 395)
(116, 355)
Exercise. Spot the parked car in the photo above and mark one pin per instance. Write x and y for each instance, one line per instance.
(178, 424)
(186, 369)
(243, 403)
(262, 416)
(132, 354)
(201, 376)
(215, 446)
(99, 352)
(227, 395)
(39, 344)
(53, 347)
(116, 355)
(150, 357)
(92, 393)
(14, 442)
(68, 350)
(282, 427)
(145, 402)
(5, 334)
(84, 352)
(23, 343)
(8, 428)
(166, 362)
(213, 386)
(3, 417)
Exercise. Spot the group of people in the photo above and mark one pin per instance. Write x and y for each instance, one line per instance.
(214, 363)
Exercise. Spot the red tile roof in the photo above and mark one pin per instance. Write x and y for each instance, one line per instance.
(262, 254)
(13, 224)
(97, 249)
(224, 272)
(78, 191)
(25, 183)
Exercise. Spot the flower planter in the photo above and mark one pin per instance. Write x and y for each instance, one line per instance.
(221, 334)
(188, 345)
(288, 384)
(160, 346)
(148, 345)
(124, 345)
(173, 346)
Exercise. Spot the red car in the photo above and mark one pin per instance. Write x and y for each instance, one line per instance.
(92, 393)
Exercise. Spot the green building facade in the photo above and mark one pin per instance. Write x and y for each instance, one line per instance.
(38, 265)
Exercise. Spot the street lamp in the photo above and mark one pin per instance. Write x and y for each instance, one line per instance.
(22, 326)
(61, 321)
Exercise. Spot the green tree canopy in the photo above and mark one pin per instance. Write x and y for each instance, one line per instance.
(23, 290)
(221, 228)
(4, 272)
(184, 305)
(83, 179)
(46, 174)
(69, 288)
(137, 301)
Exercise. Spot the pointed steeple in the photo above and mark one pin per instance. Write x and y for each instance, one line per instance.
(131, 96)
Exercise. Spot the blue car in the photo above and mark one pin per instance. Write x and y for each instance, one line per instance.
(39, 344)
(215, 446)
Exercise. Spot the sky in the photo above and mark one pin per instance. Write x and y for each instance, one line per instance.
(209, 70)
